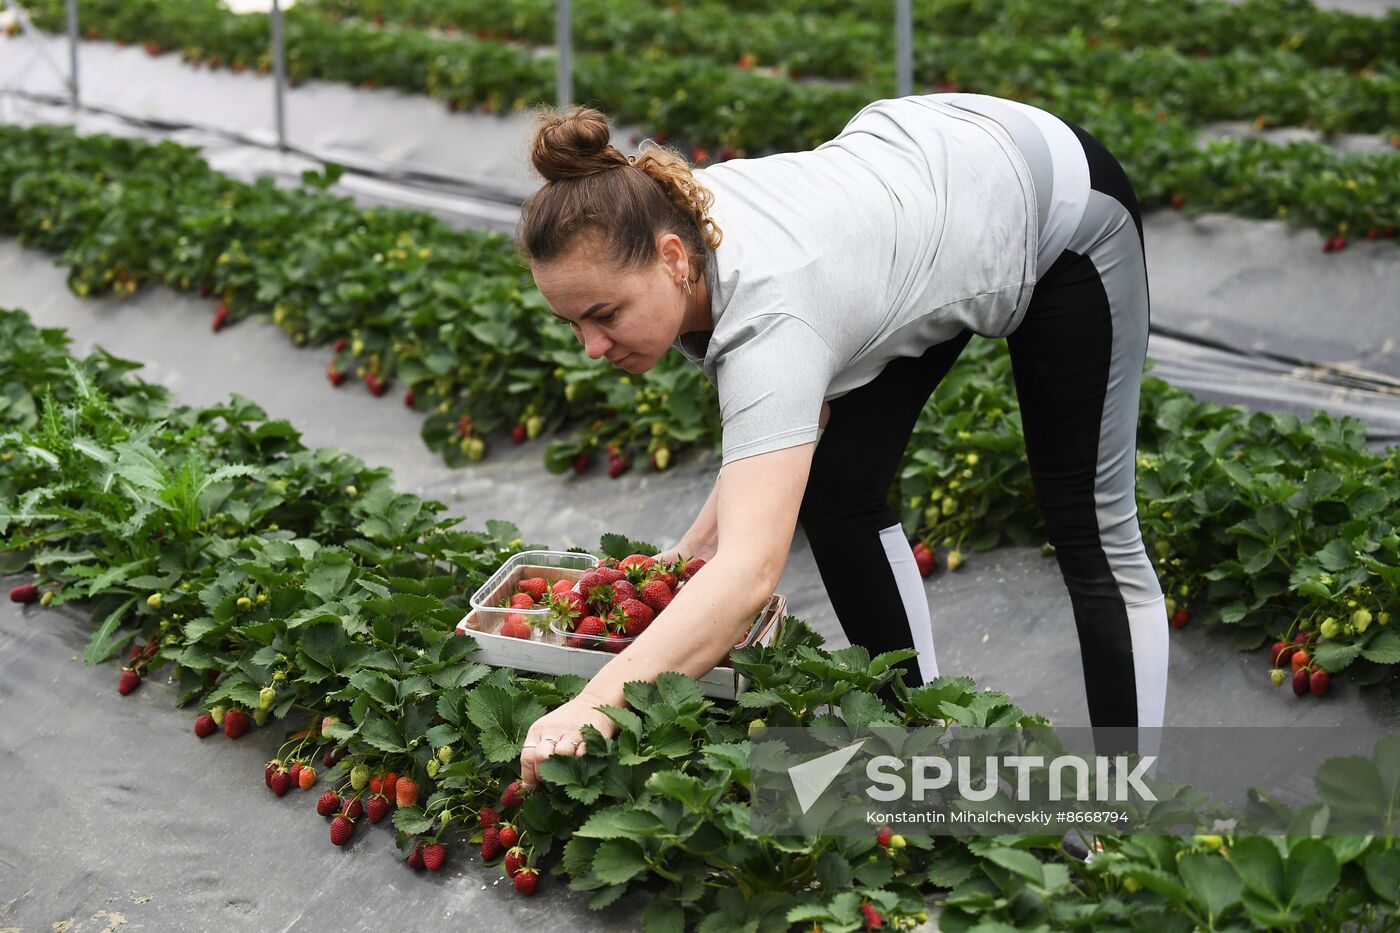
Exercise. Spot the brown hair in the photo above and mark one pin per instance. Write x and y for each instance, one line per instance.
(590, 186)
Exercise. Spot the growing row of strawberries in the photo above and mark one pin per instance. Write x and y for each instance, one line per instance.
(280, 583)
(1145, 104)
(1237, 84)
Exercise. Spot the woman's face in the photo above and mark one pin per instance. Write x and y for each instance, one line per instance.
(629, 318)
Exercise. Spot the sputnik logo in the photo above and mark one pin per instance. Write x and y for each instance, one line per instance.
(811, 778)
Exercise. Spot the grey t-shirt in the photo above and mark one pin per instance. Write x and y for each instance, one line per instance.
(917, 220)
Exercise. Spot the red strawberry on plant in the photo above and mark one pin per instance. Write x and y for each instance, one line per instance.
(487, 816)
(354, 808)
(433, 857)
(518, 434)
(873, 920)
(406, 790)
(220, 317)
(295, 771)
(526, 880)
(235, 723)
(415, 858)
(617, 466)
(204, 726)
(657, 595)
(335, 376)
(515, 860)
(341, 344)
(514, 795)
(391, 785)
(507, 835)
(581, 462)
(375, 385)
(464, 425)
(377, 808)
(24, 593)
(130, 680)
(1319, 681)
(535, 586)
(924, 558)
(328, 803)
(341, 830)
(408, 399)
(490, 843)
(1301, 685)
(281, 782)
(1300, 659)
(883, 835)
(1281, 652)
(1180, 618)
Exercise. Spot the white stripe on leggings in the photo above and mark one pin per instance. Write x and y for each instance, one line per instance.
(911, 593)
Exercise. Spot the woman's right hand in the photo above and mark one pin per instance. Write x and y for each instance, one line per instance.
(680, 549)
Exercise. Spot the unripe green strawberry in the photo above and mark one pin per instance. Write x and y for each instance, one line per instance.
(533, 424)
(954, 559)
(244, 604)
(445, 754)
(432, 767)
(1278, 676)
(326, 724)
(47, 598)
(1329, 628)
(1383, 618)
(1361, 620)
(218, 713)
(261, 716)
(1211, 842)
(445, 816)
(153, 600)
(266, 697)
(279, 676)
(757, 728)
(359, 777)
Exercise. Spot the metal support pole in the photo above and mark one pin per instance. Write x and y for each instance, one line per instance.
(73, 52)
(564, 55)
(35, 39)
(903, 47)
(279, 69)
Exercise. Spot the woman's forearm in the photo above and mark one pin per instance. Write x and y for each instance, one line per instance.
(693, 634)
(702, 538)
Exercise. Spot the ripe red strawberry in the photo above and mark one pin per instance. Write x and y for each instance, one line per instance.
(873, 920)
(306, 777)
(561, 587)
(235, 723)
(624, 590)
(375, 385)
(295, 772)
(635, 560)
(924, 558)
(353, 808)
(535, 586)
(377, 808)
(328, 804)
(415, 858)
(657, 595)
(609, 573)
(515, 860)
(692, 567)
(1319, 682)
(515, 626)
(335, 376)
(24, 593)
(617, 466)
(526, 880)
(487, 816)
(464, 425)
(746, 61)
(1280, 653)
(1300, 659)
(130, 681)
(433, 856)
(1301, 684)
(490, 843)
(518, 434)
(617, 642)
(522, 601)
(513, 796)
(220, 317)
(883, 835)
(406, 790)
(270, 770)
(569, 606)
(391, 785)
(665, 576)
(341, 830)
(588, 626)
(204, 726)
(281, 782)
(341, 344)
(507, 836)
(635, 616)
(1180, 618)
(408, 399)
(581, 462)
(1177, 202)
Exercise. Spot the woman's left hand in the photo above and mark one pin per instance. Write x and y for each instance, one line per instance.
(561, 725)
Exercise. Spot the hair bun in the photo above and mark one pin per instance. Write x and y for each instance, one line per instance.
(574, 144)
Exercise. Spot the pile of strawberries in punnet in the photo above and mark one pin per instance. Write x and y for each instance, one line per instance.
(605, 608)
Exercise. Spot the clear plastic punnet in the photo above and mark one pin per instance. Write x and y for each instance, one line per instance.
(551, 566)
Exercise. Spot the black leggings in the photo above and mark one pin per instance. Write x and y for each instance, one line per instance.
(1077, 358)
